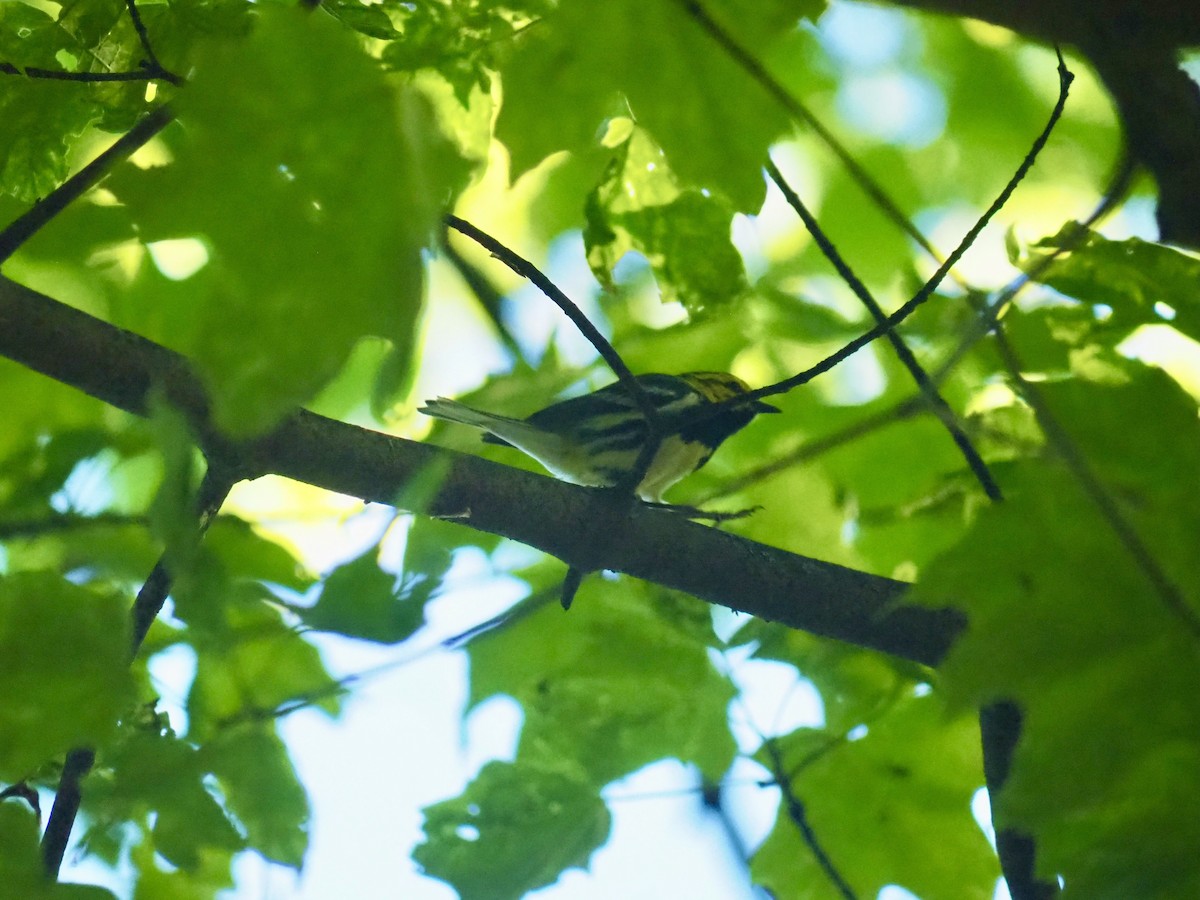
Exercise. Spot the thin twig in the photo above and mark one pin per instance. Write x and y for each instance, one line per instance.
(29, 224)
(58, 522)
(485, 292)
(926, 291)
(66, 806)
(570, 586)
(1000, 730)
(341, 686)
(145, 74)
(527, 270)
(149, 601)
(798, 815)
(213, 490)
(151, 69)
(713, 801)
(532, 273)
(509, 617)
(937, 403)
(1119, 183)
(798, 110)
(144, 36)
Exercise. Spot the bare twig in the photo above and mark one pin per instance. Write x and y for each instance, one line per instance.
(146, 74)
(213, 491)
(570, 586)
(799, 817)
(1118, 185)
(936, 402)
(23, 791)
(926, 291)
(485, 292)
(152, 64)
(146, 607)
(66, 806)
(1000, 729)
(799, 111)
(151, 69)
(984, 323)
(36, 218)
(526, 269)
(713, 800)
(58, 522)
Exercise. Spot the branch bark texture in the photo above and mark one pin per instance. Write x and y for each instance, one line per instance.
(587, 529)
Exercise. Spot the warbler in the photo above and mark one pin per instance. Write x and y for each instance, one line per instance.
(595, 439)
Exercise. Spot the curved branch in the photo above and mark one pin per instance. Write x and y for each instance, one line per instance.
(121, 368)
(1133, 45)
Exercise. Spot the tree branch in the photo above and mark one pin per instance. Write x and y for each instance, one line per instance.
(799, 816)
(654, 424)
(21, 230)
(65, 808)
(146, 607)
(904, 353)
(1000, 729)
(121, 368)
(1134, 46)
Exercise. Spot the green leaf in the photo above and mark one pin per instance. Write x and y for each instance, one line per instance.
(64, 669)
(683, 234)
(712, 120)
(313, 186)
(159, 773)
(41, 118)
(1132, 277)
(893, 807)
(460, 41)
(515, 829)
(31, 37)
(624, 680)
(21, 870)
(251, 667)
(855, 684)
(263, 792)
(243, 553)
(359, 599)
(1063, 619)
(211, 879)
(372, 20)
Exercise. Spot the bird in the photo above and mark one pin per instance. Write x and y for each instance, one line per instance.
(594, 440)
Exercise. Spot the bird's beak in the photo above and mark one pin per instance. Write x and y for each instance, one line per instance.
(760, 407)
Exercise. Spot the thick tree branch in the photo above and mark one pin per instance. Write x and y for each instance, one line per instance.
(121, 368)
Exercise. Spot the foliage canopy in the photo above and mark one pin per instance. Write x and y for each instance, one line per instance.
(283, 232)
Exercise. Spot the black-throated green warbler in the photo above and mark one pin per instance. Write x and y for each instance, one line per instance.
(595, 439)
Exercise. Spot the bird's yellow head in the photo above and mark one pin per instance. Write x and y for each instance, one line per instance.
(715, 386)
(718, 386)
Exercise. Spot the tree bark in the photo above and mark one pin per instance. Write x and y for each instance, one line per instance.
(585, 528)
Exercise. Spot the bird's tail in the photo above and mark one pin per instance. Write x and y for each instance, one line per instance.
(500, 429)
